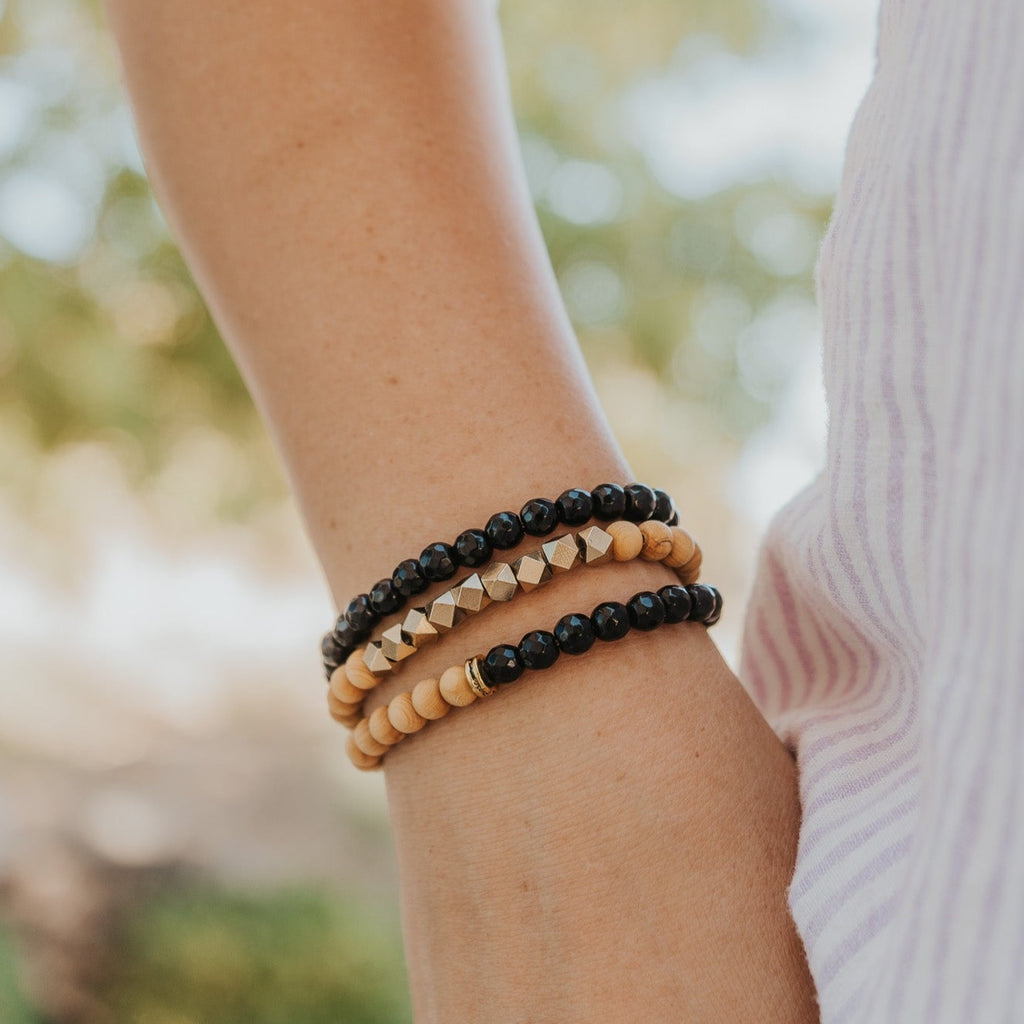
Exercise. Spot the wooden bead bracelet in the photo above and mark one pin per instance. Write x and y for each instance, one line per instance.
(473, 548)
(502, 581)
(461, 685)
(621, 541)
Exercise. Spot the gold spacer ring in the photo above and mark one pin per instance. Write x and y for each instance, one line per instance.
(475, 679)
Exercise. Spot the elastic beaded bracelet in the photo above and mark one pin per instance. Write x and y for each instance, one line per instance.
(502, 581)
(623, 541)
(473, 548)
(573, 634)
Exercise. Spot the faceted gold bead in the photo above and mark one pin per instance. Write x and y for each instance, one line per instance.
(417, 629)
(470, 595)
(595, 545)
(374, 658)
(444, 613)
(499, 581)
(561, 554)
(393, 644)
(531, 570)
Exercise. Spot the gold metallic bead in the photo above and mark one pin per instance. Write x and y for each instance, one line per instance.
(394, 645)
(374, 658)
(531, 570)
(562, 553)
(416, 628)
(499, 581)
(595, 545)
(475, 679)
(470, 595)
(443, 612)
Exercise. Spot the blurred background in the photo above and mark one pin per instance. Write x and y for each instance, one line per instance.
(181, 836)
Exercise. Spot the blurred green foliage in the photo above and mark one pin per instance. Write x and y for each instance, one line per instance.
(13, 1007)
(104, 337)
(292, 957)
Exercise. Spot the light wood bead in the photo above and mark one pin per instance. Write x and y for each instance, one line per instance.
(657, 540)
(365, 762)
(342, 690)
(682, 548)
(690, 572)
(403, 716)
(358, 672)
(455, 688)
(381, 728)
(341, 712)
(627, 540)
(365, 742)
(427, 700)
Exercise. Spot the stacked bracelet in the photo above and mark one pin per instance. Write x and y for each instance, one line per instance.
(502, 581)
(461, 685)
(638, 522)
(622, 541)
(636, 503)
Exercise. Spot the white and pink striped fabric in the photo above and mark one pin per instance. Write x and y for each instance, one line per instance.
(885, 635)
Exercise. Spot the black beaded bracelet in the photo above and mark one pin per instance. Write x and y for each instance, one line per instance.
(472, 548)
(576, 633)
(461, 685)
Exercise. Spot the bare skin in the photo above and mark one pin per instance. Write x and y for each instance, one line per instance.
(610, 841)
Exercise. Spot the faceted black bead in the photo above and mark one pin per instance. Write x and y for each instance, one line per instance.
(438, 562)
(673, 520)
(504, 530)
(575, 506)
(538, 649)
(676, 599)
(501, 665)
(574, 634)
(609, 501)
(539, 516)
(472, 548)
(408, 578)
(360, 614)
(646, 610)
(345, 636)
(704, 602)
(333, 653)
(610, 620)
(663, 505)
(384, 599)
(717, 613)
(640, 502)
(330, 648)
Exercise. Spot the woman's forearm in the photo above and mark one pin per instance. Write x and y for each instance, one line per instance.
(614, 841)
(344, 181)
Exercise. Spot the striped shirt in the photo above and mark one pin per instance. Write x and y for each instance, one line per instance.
(885, 636)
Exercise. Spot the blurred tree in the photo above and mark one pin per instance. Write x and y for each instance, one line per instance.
(293, 957)
(104, 337)
(13, 1007)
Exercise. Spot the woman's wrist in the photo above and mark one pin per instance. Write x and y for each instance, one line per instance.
(600, 817)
